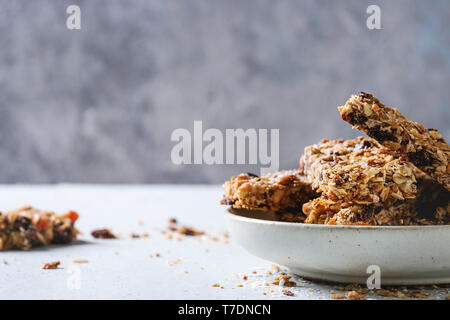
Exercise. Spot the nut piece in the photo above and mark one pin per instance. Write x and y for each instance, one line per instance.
(51, 265)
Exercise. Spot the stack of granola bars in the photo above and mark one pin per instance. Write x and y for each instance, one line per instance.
(398, 176)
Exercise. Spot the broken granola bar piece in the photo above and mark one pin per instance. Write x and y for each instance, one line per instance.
(284, 190)
(359, 171)
(427, 149)
(420, 211)
(325, 211)
(29, 227)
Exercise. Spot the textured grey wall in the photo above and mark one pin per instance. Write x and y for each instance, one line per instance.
(100, 104)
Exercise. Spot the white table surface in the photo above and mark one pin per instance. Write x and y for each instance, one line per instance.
(122, 268)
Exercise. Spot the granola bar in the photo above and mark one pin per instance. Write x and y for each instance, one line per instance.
(283, 190)
(28, 227)
(325, 211)
(427, 149)
(358, 171)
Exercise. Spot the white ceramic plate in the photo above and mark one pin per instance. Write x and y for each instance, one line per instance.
(405, 255)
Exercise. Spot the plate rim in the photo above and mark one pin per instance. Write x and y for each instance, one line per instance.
(231, 215)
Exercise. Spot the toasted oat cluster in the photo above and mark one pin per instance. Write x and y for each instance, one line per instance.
(325, 211)
(410, 212)
(427, 149)
(358, 170)
(284, 190)
(28, 227)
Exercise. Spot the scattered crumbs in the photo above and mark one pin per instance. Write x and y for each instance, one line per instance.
(136, 235)
(216, 285)
(50, 265)
(383, 293)
(254, 272)
(188, 231)
(202, 268)
(239, 285)
(288, 293)
(116, 252)
(245, 278)
(354, 295)
(284, 281)
(103, 234)
(400, 295)
(419, 295)
(336, 296)
(80, 261)
(265, 293)
(186, 272)
(222, 288)
(157, 255)
(5, 262)
(140, 223)
(171, 263)
(310, 290)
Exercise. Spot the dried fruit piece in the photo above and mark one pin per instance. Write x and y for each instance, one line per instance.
(103, 234)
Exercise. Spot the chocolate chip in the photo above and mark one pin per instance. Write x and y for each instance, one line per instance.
(404, 141)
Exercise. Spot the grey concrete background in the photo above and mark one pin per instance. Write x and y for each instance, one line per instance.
(99, 104)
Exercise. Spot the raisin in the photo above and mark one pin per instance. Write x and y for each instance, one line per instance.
(252, 175)
(421, 158)
(365, 95)
(355, 118)
(64, 236)
(404, 141)
(103, 234)
(380, 135)
(22, 222)
(364, 145)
